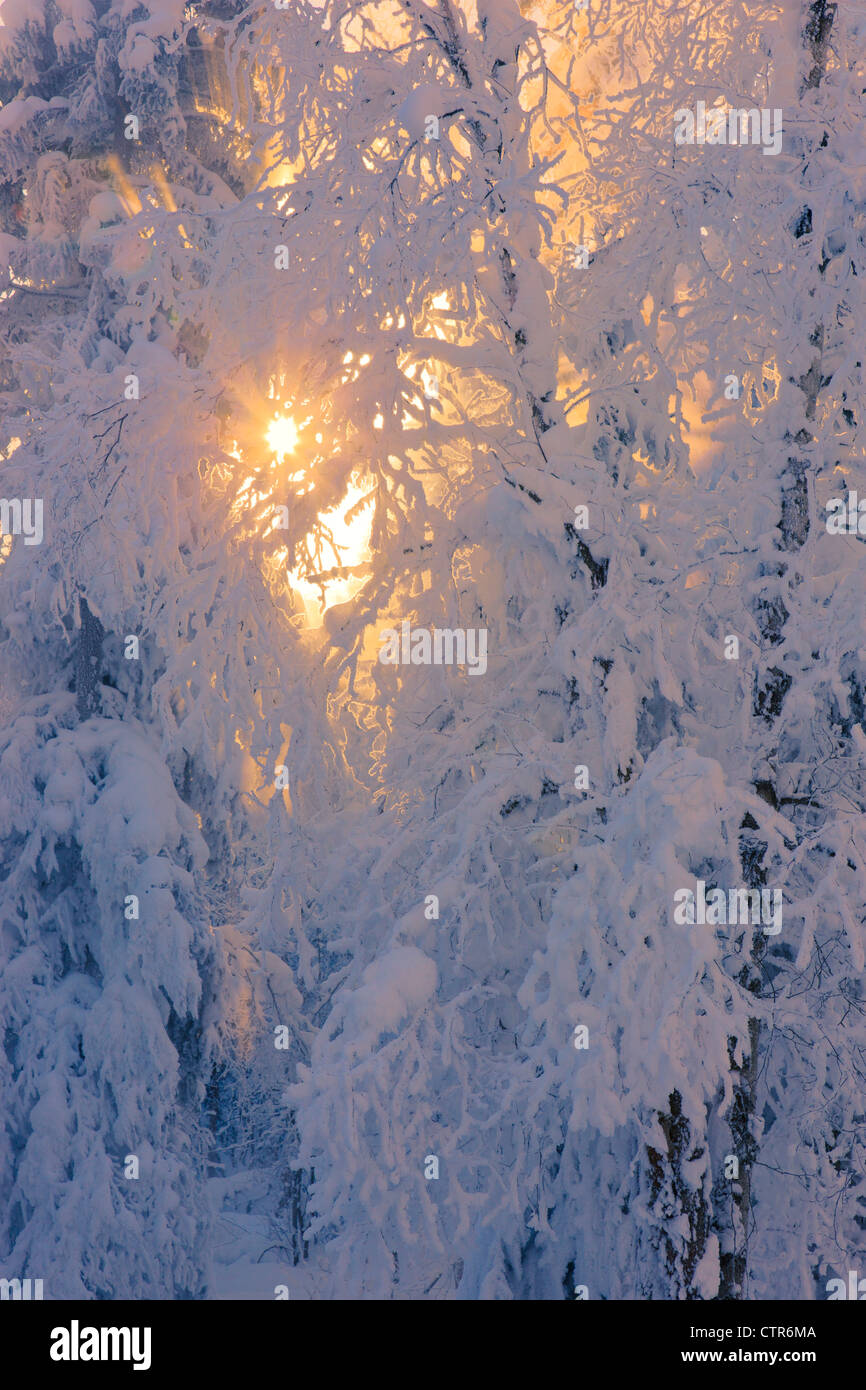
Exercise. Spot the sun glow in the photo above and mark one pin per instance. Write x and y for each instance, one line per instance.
(342, 534)
(347, 545)
(282, 436)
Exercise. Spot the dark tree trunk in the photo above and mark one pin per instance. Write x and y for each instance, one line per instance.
(88, 659)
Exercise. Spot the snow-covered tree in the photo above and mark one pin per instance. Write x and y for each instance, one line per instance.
(328, 319)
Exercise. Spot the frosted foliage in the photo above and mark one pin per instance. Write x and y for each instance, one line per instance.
(330, 288)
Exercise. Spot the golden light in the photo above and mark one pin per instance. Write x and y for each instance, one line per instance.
(350, 545)
(282, 436)
(347, 539)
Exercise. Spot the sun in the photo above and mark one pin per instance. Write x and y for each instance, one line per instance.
(282, 436)
(347, 543)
